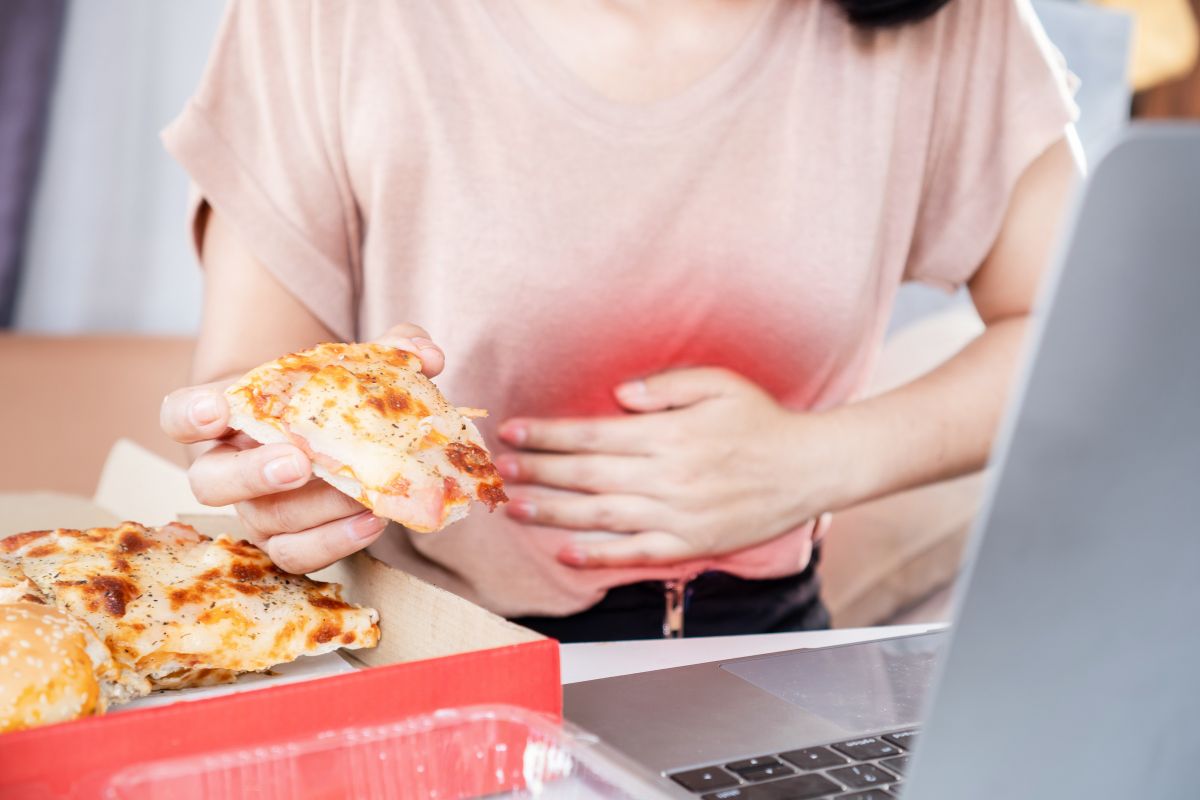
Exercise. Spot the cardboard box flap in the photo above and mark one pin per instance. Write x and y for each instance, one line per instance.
(39, 511)
(213, 525)
(138, 485)
(418, 620)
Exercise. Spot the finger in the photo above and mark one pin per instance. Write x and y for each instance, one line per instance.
(234, 438)
(226, 475)
(311, 505)
(678, 389)
(195, 413)
(311, 550)
(588, 473)
(641, 549)
(240, 441)
(611, 435)
(614, 513)
(416, 340)
(821, 527)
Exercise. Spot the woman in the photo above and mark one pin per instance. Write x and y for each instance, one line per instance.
(659, 240)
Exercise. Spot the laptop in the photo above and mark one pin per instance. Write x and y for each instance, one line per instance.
(1073, 668)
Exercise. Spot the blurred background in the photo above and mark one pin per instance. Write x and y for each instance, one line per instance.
(92, 235)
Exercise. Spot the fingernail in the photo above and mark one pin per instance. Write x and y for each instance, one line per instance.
(821, 526)
(365, 525)
(514, 432)
(204, 411)
(507, 467)
(522, 509)
(283, 470)
(575, 556)
(424, 344)
(632, 390)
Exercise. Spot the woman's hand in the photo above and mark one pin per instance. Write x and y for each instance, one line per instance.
(302, 524)
(708, 463)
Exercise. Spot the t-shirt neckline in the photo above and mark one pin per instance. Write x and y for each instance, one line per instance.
(712, 91)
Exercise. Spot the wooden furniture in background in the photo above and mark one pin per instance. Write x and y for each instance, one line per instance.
(1178, 98)
(65, 400)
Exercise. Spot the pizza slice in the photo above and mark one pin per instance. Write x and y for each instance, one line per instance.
(375, 428)
(15, 586)
(24, 605)
(178, 609)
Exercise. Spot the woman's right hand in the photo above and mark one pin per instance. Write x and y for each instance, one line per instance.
(301, 523)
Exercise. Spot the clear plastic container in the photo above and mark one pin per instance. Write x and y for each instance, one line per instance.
(487, 751)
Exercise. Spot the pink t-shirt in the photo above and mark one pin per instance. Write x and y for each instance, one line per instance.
(434, 162)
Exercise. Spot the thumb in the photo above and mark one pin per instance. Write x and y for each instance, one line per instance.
(637, 550)
(196, 413)
(677, 389)
(415, 340)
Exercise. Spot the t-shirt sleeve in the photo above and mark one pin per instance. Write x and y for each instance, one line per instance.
(1004, 97)
(261, 144)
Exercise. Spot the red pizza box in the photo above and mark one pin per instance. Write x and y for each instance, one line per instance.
(437, 651)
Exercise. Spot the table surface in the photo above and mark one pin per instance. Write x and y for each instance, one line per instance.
(592, 660)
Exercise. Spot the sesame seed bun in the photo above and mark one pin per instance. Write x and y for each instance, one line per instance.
(49, 663)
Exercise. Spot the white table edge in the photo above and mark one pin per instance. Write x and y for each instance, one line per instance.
(594, 660)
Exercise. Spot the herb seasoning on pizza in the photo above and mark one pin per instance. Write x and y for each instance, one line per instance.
(375, 428)
(178, 609)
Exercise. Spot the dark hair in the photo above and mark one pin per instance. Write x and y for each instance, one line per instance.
(882, 13)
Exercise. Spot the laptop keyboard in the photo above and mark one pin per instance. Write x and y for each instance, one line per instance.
(867, 768)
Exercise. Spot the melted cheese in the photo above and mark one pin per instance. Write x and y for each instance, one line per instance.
(375, 427)
(177, 609)
(15, 586)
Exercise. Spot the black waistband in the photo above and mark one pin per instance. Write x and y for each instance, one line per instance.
(715, 604)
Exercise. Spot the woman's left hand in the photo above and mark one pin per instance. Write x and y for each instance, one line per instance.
(707, 463)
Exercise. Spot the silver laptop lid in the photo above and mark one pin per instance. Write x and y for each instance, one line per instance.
(1074, 669)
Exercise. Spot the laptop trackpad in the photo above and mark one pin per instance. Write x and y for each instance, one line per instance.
(865, 687)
